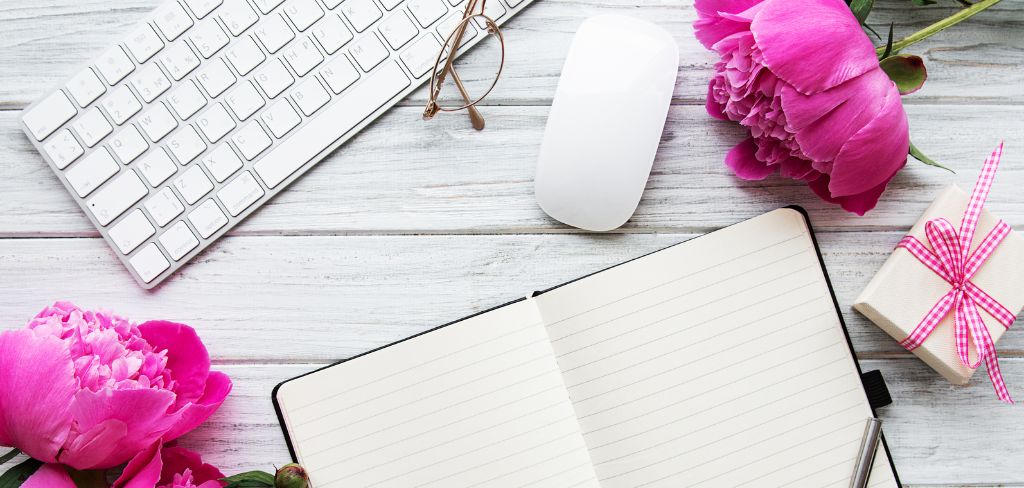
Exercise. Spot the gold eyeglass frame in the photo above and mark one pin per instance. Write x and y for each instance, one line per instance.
(439, 73)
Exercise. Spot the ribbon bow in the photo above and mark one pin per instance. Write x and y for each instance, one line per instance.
(950, 258)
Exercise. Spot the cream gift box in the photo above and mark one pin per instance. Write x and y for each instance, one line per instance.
(904, 290)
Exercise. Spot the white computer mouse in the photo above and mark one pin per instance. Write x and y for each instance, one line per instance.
(606, 121)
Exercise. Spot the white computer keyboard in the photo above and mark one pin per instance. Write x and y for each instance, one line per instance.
(210, 107)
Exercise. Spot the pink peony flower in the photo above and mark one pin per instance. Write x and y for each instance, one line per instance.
(155, 467)
(803, 77)
(91, 390)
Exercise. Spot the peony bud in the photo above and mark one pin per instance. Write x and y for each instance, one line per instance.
(291, 476)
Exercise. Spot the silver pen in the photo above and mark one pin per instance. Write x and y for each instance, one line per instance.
(866, 456)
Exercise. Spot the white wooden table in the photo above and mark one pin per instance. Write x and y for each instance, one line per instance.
(413, 224)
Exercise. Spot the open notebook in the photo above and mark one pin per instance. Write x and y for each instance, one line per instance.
(720, 361)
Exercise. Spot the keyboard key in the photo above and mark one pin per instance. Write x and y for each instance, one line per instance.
(178, 240)
(207, 219)
(63, 149)
(274, 78)
(215, 122)
(494, 9)
(156, 167)
(157, 122)
(447, 26)
(114, 65)
(193, 185)
(361, 13)
(208, 38)
(330, 4)
(429, 11)
(172, 20)
(149, 263)
(240, 194)
(514, 3)
(274, 33)
(303, 13)
(310, 96)
(398, 30)
(244, 100)
(391, 4)
(202, 8)
(117, 196)
(421, 56)
(128, 144)
(251, 140)
(150, 82)
(121, 104)
(86, 87)
(222, 162)
(143, 43)
(334, 122)
(266, 6)
(340, 74)
(131, 231)
(245, 55)
(238, 16)
(179, 60)
(215, 77)
(303, 56)
(92, 172)
(369, 52)
(164, 206)
(92, 126)
(280, 118)
(48, 115)
(332, 33)
(186, 100)
(185, 145)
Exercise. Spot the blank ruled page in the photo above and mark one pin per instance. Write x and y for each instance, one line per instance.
(717, 362)
(476, 403)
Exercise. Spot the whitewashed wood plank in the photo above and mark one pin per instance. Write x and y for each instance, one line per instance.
(323, 298)
(938, 434)
(43, 42)
(405, 176)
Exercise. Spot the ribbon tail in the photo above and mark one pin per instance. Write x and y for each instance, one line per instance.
(996, 376)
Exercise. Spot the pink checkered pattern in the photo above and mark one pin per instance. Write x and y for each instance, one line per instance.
(949, 257)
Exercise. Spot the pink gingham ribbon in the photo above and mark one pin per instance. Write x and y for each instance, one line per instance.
(950, 259)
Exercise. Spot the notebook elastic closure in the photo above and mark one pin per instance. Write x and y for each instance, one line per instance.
(874, 386)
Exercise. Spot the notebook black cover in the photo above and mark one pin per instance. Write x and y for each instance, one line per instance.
(817, 250)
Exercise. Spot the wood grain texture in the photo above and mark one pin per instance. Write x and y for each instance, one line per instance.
(411, 224)
(409, 177)
(44, 42)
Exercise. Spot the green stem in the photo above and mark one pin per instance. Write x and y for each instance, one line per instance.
(940, 26)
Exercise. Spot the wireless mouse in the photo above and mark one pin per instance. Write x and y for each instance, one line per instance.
(606, 121)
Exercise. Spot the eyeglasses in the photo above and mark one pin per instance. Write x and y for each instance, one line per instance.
(483, 80)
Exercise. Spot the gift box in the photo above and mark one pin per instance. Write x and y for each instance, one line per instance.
(905, 291)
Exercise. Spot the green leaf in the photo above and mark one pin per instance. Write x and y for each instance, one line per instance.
(251, 479)
(922, 3)
(861, 9)
(907, 71)
(17, 475)
(9, 456)
(918, 155)
(888, 44)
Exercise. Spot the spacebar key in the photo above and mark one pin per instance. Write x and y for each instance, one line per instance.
(332, 124)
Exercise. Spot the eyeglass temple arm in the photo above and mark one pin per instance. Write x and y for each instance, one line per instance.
(475, 117)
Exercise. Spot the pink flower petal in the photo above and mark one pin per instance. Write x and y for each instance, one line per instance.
(143, 413)
(218, 385)
(742, 160)
(713, 107)
(49, 476)
(859, 204)
(36, 388)
(813, 45)
(178, 459)
(89, 450)
(186, 356)
(875, 153)
(712, 27)
(143, 471)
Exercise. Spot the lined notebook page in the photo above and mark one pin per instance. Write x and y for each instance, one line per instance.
(717, 362)
(477, 403)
